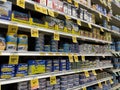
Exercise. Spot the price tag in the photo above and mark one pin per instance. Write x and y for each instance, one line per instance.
(86, 73)
(103, 56)
(94, 72)
(105, 82)
(53, 80)
(84, 88)
(70, 58)
(70, 1)
(44, 11)
(12, 29)
(4, 1)
(34, 83)
(100, 15)
(76, 58)
(76, 4)
(83, 58)
(51, 13)
(38, 8)
(21, 3)
(67, 17)
(13, 59)
(74, 39)
(111, 81)
(89, 25)
(100, 85)
(108, 19)
(56, 36)
(101, 29)
(79, 22)
(34, 32)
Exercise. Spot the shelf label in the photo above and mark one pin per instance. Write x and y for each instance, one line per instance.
(37, 7)
(76, 58)
(79, 22)
(70, 1)
(89, 25)
(74, 39)
(56, 36)
(34, 83)
(21, 3)
(44, 10)
(12, 29)
(34, 32)
(100, 85)
(108, 19)
(76, 4)
(67, 17)
(84, 88)
(53, 80)
(105, 82)
(86, 73)
(70, 58)
(94, 72)
(51, 13)
(100, 15)
(4, 1)
(83, 58)
(13, 59)
(111, 81)
(101, 29)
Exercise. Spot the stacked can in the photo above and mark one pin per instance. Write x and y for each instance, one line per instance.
(63, 65)
(57, 86)
(42, 84)
(49, 86)
(54, 45)
(66, 47)
(48, 65)
(74, 48)
(70, 80)
(39, 42)
(55, 65)
(47, 48)
(23, 86)
(82, 78)
(63, 82)
(118, 46)
(76, 79)
(68, 65)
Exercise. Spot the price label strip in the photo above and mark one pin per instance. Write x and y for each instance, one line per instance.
(94, 72)
(76, 4)
(84, 88)
(44, 10)
(87, 74)
(53, 80)
(34, 83)
(100, 85)
(21, 3)
(67, 17)
(70, 58)
(79, 22)
(13, 59)
(12, 29)
(34, 32)
(76, 58)
(51, 13)
(74, 39)
(56, 36)
(83, 58)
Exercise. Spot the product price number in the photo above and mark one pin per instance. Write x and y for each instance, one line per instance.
(34, 84)
(74, 39)
(51, 13)
(56, 36)
(53, 80)
(21, 3)
(34, 32)
(13, 59)
(38, 8)
(12, 29)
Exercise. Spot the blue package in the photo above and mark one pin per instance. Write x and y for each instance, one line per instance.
(22, 67)
(7, 68)
(6, 75)
(21, 73)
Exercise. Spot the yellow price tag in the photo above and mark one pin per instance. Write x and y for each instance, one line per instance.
(108, 19)
(83, 58)
(56, 36)
(89, 25)
(111, 81)
(12, 29)
(21, 3)
(76, 58)
(67, 17)
(84, 88)
(34, 32)
(100, 85)
(70, 58)
(38, 8)
(51, 13)
(76, 4)
(53, 80)
(86, 73)
(101, 1)
(74, 39)
(65, 29)
(105, 82)
(100, 15)
(94, 72)
(44, 11)
(13, 59)
(101, 29)
(34, 83)
(56, 27)
(70, 1)
(79, 22)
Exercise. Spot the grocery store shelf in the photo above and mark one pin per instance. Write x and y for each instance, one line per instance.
(115, 70)
(115, 53)
(115, 34)
(116, 87)
(90, 84)
(46, 75)
(115, 21)
(26, 26)
(115, 8)
(35, 53)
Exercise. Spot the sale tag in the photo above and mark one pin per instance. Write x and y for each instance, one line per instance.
(53, 80)
(67, 17)
(70, 58)
(12, 29)
(84, 88)
(21, 3)
(76, 58)
(94, 72)
(100, 15)
(51, 13)
(86, 73)
(101, 29)
(44, 11)
(83, 58)
(111, 81)
(89, 25)
(34, 84)
(56, 36)
(74, 39)
(70, 1)
(76, 4)
(34, 32)
(13, 59)
(79, 22)
(100, 85)
(38, 8)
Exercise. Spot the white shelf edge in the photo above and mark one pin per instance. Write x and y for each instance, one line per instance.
(115, 70)
(90, 84)
(46, 75)
(116, 87)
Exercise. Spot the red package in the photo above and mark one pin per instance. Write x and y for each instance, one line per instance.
(58, 5)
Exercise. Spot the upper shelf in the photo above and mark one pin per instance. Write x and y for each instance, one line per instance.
(115, 21)
(115, 8)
